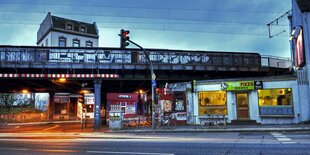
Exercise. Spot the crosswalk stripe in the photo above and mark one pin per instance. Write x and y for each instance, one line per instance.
(282, 138)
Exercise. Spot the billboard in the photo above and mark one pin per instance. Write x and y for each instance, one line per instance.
(300, 59)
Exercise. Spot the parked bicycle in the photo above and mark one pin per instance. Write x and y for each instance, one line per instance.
(167, 121)
(213, 120)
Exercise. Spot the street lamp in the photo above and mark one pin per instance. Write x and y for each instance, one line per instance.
(153, 80)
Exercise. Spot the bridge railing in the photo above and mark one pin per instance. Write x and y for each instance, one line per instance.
(49, 55)
(276, 62)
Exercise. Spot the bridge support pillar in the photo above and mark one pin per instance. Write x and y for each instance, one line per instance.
(97, 108)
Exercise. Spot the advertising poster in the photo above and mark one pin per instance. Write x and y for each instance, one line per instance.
(167, 106)
(130, 109)
(41, 101)
(300, 50)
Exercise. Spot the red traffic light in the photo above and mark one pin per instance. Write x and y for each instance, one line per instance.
(124, 37)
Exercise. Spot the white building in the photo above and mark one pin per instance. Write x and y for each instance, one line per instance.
(62, 32)
(300, 41)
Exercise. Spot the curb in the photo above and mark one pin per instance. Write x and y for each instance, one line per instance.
(211, 130)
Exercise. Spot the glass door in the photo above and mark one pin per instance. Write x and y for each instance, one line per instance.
(242, 106)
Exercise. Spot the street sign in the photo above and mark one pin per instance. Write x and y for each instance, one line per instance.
(154, 83)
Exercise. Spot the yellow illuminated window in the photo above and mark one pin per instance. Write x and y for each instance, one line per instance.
(275, 97)
(213, 102)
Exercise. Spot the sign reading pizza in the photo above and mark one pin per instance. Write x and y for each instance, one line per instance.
(239, 85)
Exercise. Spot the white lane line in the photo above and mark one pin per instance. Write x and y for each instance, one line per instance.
(53, 127)
(282, 138)
(146, 153)
(14, 149)
(288, 142)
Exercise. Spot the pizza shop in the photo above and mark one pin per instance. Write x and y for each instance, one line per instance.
(264, 101)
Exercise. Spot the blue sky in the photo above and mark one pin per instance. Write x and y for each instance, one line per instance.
(209, 25)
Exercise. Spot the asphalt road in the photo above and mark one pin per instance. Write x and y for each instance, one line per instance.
(248, 143)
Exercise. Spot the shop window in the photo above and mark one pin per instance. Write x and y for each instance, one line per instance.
(89, 108)
(275, 102)
(60, 108)
(179, 101)
(275, 97)
(213, 102)
(179, 105)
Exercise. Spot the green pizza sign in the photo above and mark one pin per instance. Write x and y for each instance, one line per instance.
(239, 85)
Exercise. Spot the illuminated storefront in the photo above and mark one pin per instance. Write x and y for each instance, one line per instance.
(260, 100)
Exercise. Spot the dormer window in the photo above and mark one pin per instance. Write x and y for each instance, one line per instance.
(69, 26)
(83, 29)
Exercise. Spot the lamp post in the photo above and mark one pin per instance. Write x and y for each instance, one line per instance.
(153, 81)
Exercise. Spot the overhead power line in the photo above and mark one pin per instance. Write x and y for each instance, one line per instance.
(44, 3)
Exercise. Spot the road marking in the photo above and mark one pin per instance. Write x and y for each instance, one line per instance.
(282, 138)
(14, 149)
(54, 151)
(146, 153)
(53, 127)
(17, 127)
(289, 142)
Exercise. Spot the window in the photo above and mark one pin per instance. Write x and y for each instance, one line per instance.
(213, 102)
(275, 97)
(76, 43)
(89, 44)
(62, 42)
(179, 101)
(46, 42)
(275, 102)
(69, 26)
(83, 29)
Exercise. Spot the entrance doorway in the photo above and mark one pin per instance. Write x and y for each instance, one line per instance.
(242, 106)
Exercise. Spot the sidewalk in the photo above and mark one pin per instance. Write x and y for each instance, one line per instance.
(229, 128)
(179, 128)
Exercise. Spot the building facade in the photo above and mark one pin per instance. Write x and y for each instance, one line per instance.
(269, 100)
(300, 49)
(62, 32)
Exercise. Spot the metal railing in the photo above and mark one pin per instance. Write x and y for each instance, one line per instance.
(276, 62)
(103, 55)
(48, 55)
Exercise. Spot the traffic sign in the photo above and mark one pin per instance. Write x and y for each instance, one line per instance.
(154, 83)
